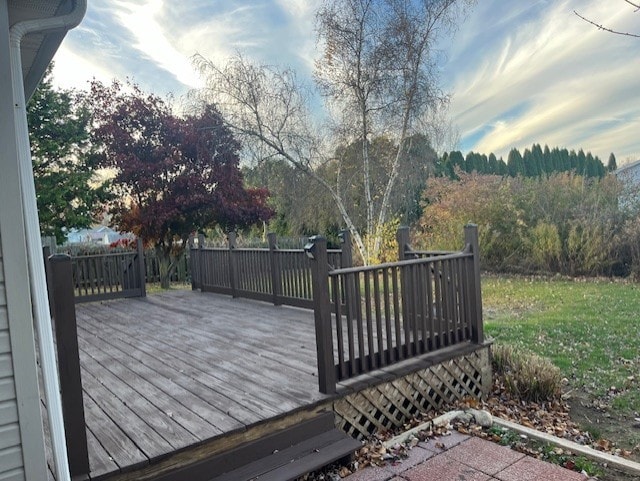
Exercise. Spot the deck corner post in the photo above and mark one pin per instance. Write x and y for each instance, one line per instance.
(346, 255)
(232, 238)
(195, 260)
(191, 246)
(274, 264)
(402, 238)
(142, 271)
(64, 313)
(472, 243)
(316, 250)
(199, 264)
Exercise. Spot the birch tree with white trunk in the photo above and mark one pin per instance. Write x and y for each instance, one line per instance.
(377, 75)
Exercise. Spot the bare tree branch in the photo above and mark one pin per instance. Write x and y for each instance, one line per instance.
(636, 5)
(602, 27)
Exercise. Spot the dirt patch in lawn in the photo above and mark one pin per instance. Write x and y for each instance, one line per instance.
(619, 429)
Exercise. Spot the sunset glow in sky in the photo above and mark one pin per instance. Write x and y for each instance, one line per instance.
(519, 71)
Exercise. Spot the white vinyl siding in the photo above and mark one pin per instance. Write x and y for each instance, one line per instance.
(11, 459)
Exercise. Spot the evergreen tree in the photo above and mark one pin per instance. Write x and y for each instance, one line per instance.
(457, 159)
(547, 160)
(529, 167)
(612, 165)
(483, 164)
(492, 164)
(581, 163)
(538, 160)
(502, 167)
(69, 192)
(470, 162)
(515, 163)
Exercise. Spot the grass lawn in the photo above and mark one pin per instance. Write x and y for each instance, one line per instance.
(589, 329)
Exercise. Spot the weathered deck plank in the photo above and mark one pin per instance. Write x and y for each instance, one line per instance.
(168, 405)
(180, 368)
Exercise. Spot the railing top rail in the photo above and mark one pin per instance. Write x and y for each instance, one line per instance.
(261, 249)
(106, 254)
(387, 265)
(439, 253)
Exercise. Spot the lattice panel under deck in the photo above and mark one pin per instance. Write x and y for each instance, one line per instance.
(392, 403)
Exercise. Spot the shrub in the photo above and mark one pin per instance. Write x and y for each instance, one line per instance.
(388, 245)
(627, 244)
(527, 376)
(564, 223)
(588, 249)
(546, 246)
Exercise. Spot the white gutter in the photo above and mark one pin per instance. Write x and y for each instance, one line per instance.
(38, 282)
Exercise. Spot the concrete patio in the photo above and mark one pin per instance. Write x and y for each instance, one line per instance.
(460, 457)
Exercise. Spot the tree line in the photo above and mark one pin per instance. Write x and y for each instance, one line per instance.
(533, 162)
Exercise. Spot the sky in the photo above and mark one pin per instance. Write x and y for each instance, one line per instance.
(519, 71)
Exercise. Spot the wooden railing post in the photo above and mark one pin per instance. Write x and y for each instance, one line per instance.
(402, 238)
(231, 236)
(316, 250)
(199, 263)
(192, 261)
(471, 240)
(274, 264)
(142, 271)
(64, 313)
(346, 255)
(346, 260)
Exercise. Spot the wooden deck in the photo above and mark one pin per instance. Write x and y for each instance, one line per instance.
(170, 371)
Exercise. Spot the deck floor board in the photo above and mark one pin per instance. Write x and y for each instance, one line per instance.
(179, 368)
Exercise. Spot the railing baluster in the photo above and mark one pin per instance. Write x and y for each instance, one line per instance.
(399, 354)
(387, 317)
(423, 309)
(429, 294)
(350, 299)
(461, 311)
(369, 320)
(359, 327)
(438, 300)
(342, 367)
(378, 313)
(415, 308)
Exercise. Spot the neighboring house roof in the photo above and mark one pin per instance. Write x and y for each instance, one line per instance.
(631, 166)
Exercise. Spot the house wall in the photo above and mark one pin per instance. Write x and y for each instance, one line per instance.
(11, 459)
(22, 454)
(630, 172)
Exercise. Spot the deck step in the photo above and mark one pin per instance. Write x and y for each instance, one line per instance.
(291, 463)
(281, 456)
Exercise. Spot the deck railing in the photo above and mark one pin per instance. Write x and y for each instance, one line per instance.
(109, 275)
(374, 316)
(280, 276)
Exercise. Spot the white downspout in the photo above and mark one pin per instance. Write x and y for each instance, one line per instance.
(38, 282)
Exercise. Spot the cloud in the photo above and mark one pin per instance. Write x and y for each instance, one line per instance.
(72, 70)
(575, 80)
(152, 39)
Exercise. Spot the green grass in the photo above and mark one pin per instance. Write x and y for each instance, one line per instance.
(590, 329)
